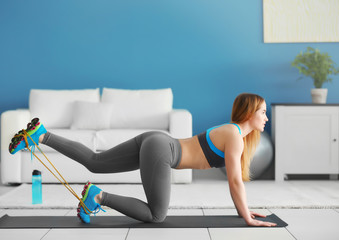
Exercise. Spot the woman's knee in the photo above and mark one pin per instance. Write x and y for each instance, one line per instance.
(157, 218)
(159, 214)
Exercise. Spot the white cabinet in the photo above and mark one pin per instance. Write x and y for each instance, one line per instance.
(305, 139)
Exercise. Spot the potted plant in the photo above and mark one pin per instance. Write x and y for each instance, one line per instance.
(318, 66)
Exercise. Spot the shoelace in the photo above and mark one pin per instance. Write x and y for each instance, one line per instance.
(64, 182)
(98, 209)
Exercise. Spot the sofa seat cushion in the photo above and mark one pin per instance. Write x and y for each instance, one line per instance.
(86, 137)
(106, 139)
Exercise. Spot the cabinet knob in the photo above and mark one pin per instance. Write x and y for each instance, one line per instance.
(334, 140)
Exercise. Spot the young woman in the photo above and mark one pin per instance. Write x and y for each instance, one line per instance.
(230, 145)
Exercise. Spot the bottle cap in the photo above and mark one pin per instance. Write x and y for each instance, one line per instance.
(36, 172)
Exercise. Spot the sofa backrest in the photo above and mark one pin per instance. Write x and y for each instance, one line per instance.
(139, 108)
(117, 108)
(55, 107)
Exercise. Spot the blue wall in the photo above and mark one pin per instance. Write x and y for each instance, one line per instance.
(206, 51)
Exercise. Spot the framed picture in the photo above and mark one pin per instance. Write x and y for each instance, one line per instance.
(287, 21)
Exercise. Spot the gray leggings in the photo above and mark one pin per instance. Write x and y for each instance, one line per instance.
(154, 153)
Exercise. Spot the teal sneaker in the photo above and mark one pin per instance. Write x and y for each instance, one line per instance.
(88, 194)
(34, 130)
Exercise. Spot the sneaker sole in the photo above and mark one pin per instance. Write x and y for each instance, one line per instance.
(32, 127)
(84, 194)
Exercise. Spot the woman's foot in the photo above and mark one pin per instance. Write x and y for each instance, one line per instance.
(91, 197)
(34, 129)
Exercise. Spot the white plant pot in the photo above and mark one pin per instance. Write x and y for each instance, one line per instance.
(319, 95)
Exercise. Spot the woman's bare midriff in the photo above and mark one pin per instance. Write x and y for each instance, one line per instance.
(192, 155)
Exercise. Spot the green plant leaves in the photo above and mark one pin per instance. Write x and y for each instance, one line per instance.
(316, 65)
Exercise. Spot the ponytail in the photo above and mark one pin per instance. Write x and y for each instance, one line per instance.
(244, 106)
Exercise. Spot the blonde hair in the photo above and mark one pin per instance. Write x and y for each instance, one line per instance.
(244, 106)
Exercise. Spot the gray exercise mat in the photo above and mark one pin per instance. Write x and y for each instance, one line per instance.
(126, 222)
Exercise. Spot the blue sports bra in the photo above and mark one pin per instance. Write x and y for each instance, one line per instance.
(214, 156)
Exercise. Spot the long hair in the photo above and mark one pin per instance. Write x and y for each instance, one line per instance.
(244, 106)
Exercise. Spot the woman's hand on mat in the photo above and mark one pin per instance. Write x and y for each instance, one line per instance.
(253, 215)
(257, 223)
(254, 222)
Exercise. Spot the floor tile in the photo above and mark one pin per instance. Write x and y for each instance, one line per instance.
(168, 234)
(86, 234)
(250, 233)
(30, 234)
(310, 224)
(18, 234)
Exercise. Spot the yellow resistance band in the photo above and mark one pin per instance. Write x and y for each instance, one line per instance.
(65, 183)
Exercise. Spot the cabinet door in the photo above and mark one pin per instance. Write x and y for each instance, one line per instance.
(306, 140)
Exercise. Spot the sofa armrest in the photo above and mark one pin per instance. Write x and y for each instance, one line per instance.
(11, 122)
(181, 127)
(180, 124)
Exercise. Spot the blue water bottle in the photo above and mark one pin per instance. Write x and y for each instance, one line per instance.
(36, 187)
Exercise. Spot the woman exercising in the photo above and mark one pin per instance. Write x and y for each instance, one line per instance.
(230, 145)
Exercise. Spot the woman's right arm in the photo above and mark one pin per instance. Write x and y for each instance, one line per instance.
(233, 150)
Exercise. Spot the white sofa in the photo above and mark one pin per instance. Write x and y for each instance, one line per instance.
(99, 122)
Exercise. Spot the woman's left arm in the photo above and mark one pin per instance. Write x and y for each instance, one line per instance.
(233, 151)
